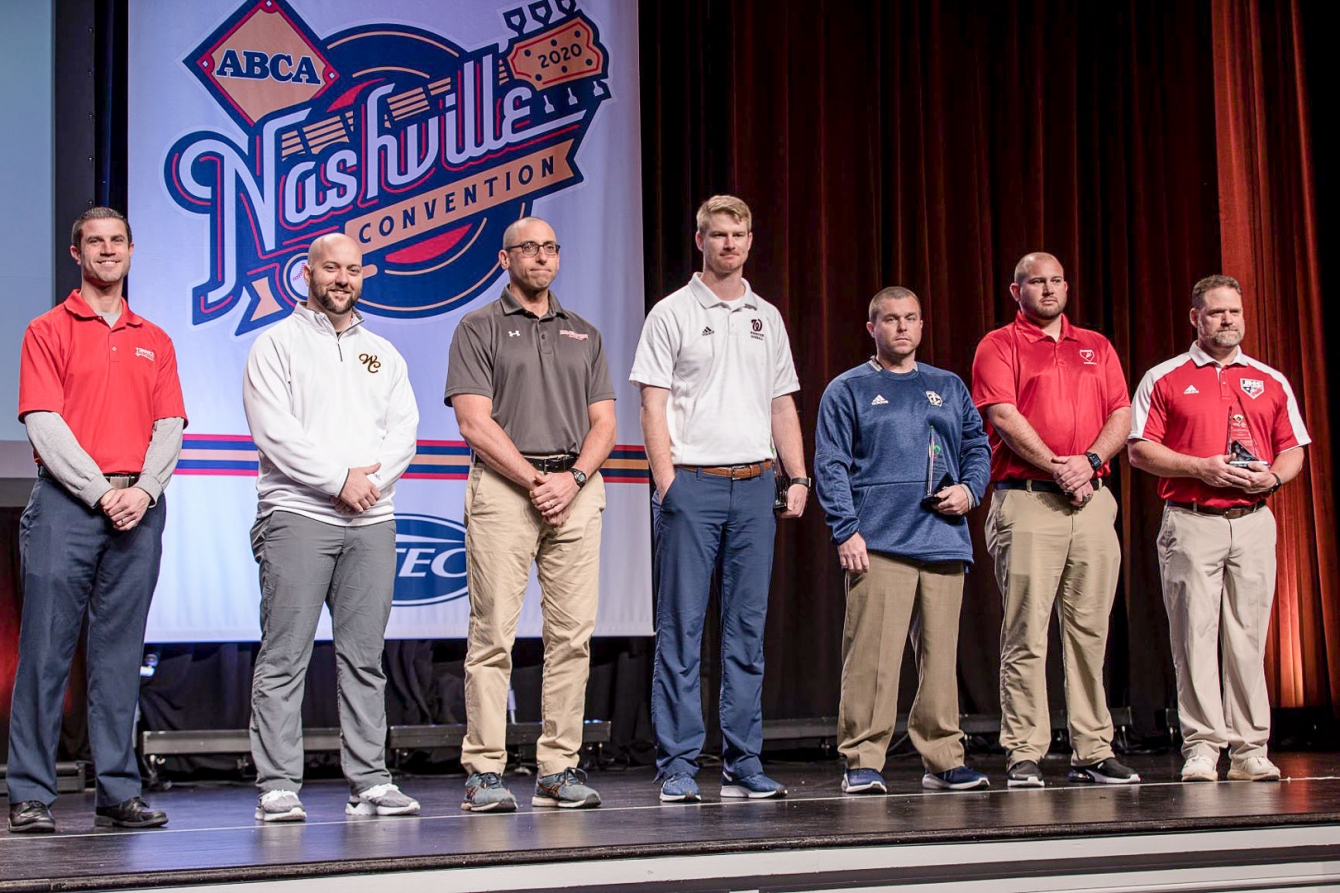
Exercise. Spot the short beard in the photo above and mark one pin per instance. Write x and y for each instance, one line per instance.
(1226, 338)
(323, 298)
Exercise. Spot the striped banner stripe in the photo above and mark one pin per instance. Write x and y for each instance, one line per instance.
(235, 454)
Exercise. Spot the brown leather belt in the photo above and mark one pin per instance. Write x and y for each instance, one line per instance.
(1038, 486)
(120, 480)
(1232, 514)
(734, 472)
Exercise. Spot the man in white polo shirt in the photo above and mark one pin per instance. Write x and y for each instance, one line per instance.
(716, 372)
(1223, 432)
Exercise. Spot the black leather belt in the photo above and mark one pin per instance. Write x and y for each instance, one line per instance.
(1231, 513)
(744, 472)
(552, 464)
(1040, 486)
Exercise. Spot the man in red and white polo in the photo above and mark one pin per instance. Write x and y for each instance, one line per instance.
(1223, 432)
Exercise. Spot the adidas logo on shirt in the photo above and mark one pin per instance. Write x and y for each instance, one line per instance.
(707, 330)
(1191, 389)
(879, 401)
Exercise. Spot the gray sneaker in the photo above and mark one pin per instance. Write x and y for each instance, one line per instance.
(382, 799)
(566, 789)
(485, 792)
(279, 806)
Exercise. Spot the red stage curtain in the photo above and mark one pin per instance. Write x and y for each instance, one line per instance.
(930, 144)
(1268, 225)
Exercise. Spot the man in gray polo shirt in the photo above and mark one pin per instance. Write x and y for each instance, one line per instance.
(714, 363)
(533, 399)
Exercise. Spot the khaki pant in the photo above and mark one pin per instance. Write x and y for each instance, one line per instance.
(882, 605)
(1048, 553)
(1218, 586)
(504, 536)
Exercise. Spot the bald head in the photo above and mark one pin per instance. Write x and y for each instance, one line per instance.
(516, 230)
(332, 243)
(1028, 261)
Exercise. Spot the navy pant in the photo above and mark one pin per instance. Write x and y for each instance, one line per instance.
(74, 561)
(711, 524)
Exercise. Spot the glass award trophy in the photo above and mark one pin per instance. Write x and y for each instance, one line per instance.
(1241, 446)
(937, 472)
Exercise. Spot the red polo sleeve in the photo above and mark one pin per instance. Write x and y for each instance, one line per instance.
(40, 361)
(1117, 396)
(168, 401)
(993, 372)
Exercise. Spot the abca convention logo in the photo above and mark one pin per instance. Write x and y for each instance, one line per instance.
(430, 560)
(421, 150)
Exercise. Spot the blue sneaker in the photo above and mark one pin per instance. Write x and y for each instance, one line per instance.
(485, 792)
(751, 787)
(863, 781)
(680, 789)
(960, 778)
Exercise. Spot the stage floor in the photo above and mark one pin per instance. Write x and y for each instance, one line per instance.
(213, 839)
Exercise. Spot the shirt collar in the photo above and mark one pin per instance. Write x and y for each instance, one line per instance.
(1201, 358)
(1033, 332)
(708, 298)
(79, 308)
(321, 321)
(879, 367)
(511, 305)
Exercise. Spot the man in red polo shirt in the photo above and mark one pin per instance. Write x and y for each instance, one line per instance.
(101, 403)
(1054, 399)
(1223, 432)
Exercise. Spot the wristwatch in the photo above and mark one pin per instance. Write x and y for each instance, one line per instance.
(579, 476)
(1094, 461)
(804, 482)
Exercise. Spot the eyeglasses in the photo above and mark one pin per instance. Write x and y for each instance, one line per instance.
(530, 249)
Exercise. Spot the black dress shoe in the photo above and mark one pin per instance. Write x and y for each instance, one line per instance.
(132, 813)
(31, 817)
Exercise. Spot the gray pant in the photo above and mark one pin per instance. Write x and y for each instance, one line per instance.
(305, 564)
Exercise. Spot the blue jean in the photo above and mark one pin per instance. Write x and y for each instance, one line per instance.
(709, 524)
(74, 561)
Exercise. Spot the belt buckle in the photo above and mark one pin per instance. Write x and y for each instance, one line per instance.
(741, 472)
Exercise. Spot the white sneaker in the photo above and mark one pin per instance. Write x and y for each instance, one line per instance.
(279, 806)
(382, 799)
(1254, 769)
(1199, 767)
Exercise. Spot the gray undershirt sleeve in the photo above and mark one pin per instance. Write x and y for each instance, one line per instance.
(63, 457)
(160, 459)
(68, 462)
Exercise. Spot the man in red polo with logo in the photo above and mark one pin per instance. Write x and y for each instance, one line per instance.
(1223, 432)
(102, 406)
(1054, 399)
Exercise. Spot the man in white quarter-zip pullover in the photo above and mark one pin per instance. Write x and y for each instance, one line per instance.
(335, 423)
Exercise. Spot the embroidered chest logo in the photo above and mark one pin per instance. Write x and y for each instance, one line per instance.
(370, 360)
(1087, 356)
(514, 333)
(1191, 389)
(707, 330)
(1252, 387)
(879, 401)
(756, 325)
(936, 399)
(144, 352)
(575, 336)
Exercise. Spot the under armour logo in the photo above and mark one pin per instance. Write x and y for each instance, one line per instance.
(370, 360)
(707, 330)
(514, 334)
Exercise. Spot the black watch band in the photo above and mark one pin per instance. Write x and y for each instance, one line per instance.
(1094, 461)
(807, 483)
(579, 476)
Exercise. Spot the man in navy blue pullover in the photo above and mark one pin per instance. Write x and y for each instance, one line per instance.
(900, 458)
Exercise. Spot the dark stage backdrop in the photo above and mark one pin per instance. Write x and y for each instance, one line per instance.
(930, 144)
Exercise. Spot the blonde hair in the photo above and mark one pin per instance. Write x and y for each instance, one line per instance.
(724, 204)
